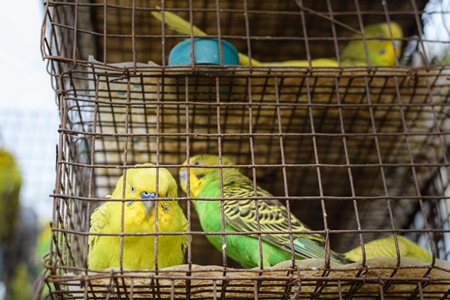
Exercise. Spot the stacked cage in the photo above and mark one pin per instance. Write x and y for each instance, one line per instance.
(356, 152)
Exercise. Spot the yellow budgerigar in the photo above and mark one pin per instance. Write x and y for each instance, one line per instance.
(385, 247)
(10, 183)
(382, 41)
(144, 213)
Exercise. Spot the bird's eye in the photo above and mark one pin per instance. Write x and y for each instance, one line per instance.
(148, 195)
(133, 190)
(129, 203)
(382, 52)
(197, 163)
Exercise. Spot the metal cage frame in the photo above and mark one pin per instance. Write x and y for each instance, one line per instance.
(368, 144)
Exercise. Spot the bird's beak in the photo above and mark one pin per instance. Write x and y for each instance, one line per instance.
(148, 206)
(183, 179)
(183, 175)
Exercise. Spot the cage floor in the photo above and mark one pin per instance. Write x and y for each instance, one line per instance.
(381, 277)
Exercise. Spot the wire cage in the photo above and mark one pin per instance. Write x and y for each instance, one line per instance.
(356, 152)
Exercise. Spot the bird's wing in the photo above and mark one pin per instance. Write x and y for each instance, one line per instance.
(99, 220)
(273, 216)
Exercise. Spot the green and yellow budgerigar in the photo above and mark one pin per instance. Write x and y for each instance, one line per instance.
(240, 216)
(382, 41)
(385, 247)
(10, 183)
(139, 218)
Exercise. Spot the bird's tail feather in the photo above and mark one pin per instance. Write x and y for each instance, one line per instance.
(308, 248)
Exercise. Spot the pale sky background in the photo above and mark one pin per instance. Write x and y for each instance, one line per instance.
(28, 112)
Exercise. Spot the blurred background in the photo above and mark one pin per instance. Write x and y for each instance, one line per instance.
(28, 131)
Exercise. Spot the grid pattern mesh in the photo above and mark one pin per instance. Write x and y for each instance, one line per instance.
(356, 153)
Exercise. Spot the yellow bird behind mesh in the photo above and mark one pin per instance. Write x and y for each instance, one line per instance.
(10, 183)
(140, 211)
(385, 247)
(382, 43)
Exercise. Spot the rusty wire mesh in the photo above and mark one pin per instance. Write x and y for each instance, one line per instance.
(366, 147)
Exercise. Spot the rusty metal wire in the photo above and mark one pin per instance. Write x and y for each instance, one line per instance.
(129, 33)
(355, 153)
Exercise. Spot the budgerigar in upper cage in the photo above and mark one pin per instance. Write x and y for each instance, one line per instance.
(382, 42)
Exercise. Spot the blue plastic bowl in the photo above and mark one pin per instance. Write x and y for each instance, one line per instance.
(206, 51)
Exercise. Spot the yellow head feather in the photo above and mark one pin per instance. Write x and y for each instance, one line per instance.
(197, 171)
(139, 180)
(382, 43)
